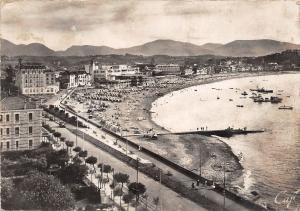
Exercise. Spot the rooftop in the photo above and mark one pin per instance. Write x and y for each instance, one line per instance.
(16, 103)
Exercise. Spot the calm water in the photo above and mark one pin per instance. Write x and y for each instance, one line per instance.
(271, 159)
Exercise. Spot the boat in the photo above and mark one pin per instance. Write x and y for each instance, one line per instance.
(275, 99)
(285, 107)
(258, 100)
(240, 106)
(262, 90)
(230, 99)
(244, 93)
(218, 98)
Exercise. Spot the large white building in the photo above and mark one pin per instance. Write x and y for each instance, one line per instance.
(110, 72)
(75, 79)
(33, 79)
(167, 68)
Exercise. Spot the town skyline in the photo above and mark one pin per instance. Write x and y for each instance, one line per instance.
(122, 24)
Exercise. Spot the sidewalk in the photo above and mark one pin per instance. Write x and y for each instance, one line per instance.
(169, 199)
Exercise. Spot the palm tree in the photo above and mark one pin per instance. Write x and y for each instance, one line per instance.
(137, 189)
(57, 135)
(121, 178)
(107, 169)
(127, 198)
(91, 160)
(83, 154)
(69, 144)
(77, 149)
(62, 139)
(118, 192)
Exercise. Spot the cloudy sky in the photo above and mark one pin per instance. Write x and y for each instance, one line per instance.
(124, 23)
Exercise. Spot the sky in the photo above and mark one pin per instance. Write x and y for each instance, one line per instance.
(60, 24)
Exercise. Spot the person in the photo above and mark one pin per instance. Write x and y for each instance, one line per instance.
(198, 182)
(193, 185)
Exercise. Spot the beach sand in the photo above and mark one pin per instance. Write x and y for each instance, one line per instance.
(133, 114)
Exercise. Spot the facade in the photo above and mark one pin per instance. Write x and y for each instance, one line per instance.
(75, 79)
(33, 79)
(20, 124)
(113, 72)
(167, 69)
(110, 72)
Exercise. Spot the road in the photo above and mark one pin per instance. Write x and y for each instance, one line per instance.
(170, 198)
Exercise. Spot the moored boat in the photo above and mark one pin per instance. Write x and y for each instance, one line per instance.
(286, 107)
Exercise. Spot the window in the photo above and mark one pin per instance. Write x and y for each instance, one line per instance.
(7, 131)
(30, 116)
(7, 145)
(17, 131)
(17, 144)
(17, 117)
(7, 117)
(30, 130)
(1, 118)
(30, 143)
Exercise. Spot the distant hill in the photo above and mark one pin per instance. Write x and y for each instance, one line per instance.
(86, 50)
(167, 47)
(254, 48)
(238, 48)
(34, 49)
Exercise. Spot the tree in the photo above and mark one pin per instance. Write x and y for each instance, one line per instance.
(137, 189)
(69, 144)
(83, 154)
(77, 149)
(127, 198)
(121, 178)
(7, 187)
(107, 169)
(45, 192)
(91, 160)
(118, 192)
(60, 157)
(57, 135)
(73, 173)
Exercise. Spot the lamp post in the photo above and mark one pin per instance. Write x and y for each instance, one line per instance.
(137, 169)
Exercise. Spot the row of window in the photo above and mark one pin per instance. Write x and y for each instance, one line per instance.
(30, 142)
(17, 131)
(17, 117)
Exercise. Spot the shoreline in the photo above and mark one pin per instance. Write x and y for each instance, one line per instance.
(236, 168)
(182, 149)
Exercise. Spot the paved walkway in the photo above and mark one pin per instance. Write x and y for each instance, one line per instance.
(169, 199)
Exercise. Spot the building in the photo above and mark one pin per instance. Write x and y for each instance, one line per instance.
(114, 72)
(35, 79)
(75, 79)
(167, 69)
(20, 124)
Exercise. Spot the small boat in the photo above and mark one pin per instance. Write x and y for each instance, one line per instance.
(230, 99)
(218, 98)
(240, 106)
(284, 107)
(262, 90)
(244, 93)
(275, 99)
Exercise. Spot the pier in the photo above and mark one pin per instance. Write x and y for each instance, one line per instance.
(229, 132)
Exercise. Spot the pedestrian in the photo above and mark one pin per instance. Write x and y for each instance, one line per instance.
(198, 182)
(193, 185)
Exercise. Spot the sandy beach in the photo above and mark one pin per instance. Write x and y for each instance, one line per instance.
(132, 118)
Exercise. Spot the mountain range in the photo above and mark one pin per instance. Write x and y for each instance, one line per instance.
(237, 48)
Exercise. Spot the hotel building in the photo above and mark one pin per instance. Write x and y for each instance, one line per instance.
(34, 79)
(20, 124)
